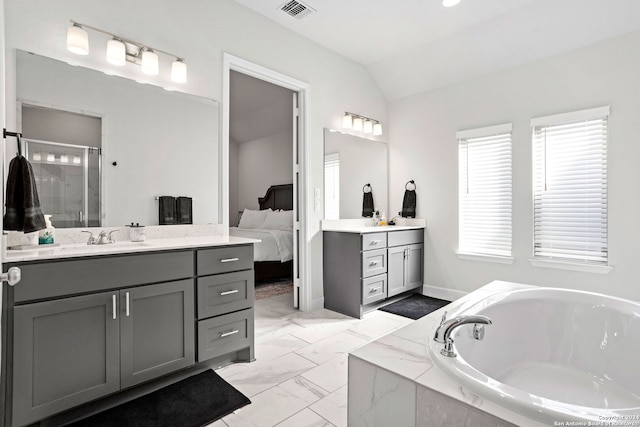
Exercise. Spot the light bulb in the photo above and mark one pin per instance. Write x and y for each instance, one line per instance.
(116, 52)
(51, 157)
(37, 156)
(149, 62)
(77, 40)
(347, 121)
(377, 129)
(179, 71)
(368, 126)
(357, 123)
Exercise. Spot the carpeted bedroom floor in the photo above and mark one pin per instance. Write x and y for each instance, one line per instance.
(270, 289)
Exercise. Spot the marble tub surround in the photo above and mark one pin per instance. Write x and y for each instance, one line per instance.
(365, 225)
(394, 379)
(74, 250)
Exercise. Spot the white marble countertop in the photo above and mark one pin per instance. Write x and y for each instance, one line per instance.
(74, 250)
(404, 352)
(365, 225)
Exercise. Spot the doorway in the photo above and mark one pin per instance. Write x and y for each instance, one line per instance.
(299, 94)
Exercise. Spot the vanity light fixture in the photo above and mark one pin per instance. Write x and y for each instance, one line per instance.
(121, 50)
(361, 124)
(77, 39)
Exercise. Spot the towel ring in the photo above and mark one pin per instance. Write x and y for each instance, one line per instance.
(410, 182)
(365, 186)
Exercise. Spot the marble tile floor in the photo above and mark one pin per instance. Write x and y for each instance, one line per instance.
(299, 377)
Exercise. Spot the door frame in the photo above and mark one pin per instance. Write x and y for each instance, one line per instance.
(231, 62)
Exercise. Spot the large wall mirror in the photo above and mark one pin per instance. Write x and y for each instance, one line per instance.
(105, 148)
(350, 163)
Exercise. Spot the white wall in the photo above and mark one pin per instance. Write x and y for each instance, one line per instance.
(262, 163)
(423, 147)
(201, 32)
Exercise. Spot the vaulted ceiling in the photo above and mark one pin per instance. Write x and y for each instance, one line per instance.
(412, 46)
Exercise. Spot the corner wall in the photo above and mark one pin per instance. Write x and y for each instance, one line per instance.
(424, 147)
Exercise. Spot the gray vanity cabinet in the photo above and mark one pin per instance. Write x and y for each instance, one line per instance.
(361, 269)
(157, 332)
(405, 268)
(67, 352)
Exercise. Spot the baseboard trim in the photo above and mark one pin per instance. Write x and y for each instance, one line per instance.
(317, 304)
(442, 293)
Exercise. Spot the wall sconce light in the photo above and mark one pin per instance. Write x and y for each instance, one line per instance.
(121, 50)
(361, 124)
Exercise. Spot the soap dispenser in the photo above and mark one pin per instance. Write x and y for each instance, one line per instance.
(47, 235)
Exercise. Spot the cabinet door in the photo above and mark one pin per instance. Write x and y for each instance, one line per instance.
(414, 266)
(157, 330)
(66, 352)
(396, 271)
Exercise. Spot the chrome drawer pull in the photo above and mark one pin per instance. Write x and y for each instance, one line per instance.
(229, 260)
(235, 291)
(374, 242)
(226, 334)
(373, 262)
(373, 290)
(127, 308)
(113, 300)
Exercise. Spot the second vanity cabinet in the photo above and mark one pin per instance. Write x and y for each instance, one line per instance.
(82, 329)
(363, 268)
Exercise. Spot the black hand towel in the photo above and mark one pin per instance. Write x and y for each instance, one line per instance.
(184, 210)
(23, 211)
(409, 204)
(167, 210)
(367, 202)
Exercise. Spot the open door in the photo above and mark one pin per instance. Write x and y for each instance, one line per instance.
(296, 206)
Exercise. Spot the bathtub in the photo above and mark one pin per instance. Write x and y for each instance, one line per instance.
(552, 355)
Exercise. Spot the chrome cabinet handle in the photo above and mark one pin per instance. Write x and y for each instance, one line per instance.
(235, 291)
(226, 334)
(374, 242)
(12, 276)
(113, 300)
(374, 262)
(373, 290)
(229, 260)
(127, 303)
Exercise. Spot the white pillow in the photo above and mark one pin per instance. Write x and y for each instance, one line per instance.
(253, 219)
(279, 220)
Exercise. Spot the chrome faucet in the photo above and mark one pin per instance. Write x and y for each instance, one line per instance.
(103, 237)
(446, 328)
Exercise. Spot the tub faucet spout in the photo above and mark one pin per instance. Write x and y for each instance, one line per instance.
(444, 332)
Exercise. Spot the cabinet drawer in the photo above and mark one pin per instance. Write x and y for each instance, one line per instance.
(374, 289)
(374, 241)
(224, 259)
(225, 334)
(374, 262)
(68, 277)
(225, 293)
(405, 237)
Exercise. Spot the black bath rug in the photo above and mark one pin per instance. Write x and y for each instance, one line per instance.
(415, 306)
(193, 402)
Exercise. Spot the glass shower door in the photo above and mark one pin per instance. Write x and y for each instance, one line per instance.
(68, 181)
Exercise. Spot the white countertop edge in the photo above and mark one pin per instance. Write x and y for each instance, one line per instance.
(372, 229)
(78, 250)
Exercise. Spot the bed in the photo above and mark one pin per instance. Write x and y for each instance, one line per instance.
(273, 256)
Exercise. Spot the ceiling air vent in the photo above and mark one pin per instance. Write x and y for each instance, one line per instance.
(296, 9)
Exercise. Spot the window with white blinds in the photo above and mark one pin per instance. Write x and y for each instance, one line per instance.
(485, 191)
(332, 186)
(570, 186)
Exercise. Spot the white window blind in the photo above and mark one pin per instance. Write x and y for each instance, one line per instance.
(332, 186)
(570, 186)
(485, 190)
